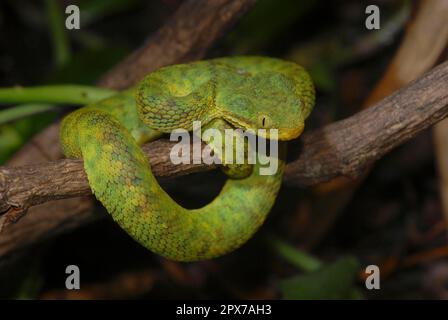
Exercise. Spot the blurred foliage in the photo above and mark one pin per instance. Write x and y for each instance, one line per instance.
(333, 281)
(21, 111)
(60, 39)
(299, 258)
(264, 22)
(32, 283)
(14, 135)
(93, 10)
(82, 67)
(87, 66)
(318, 281)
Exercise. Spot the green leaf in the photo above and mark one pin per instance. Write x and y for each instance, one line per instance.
(334, 281)
(86, 66)
(92, 11)
(15, 134)
(295, 256)
(10, 139)
(24, 110)
(61, 45)
(253, 32)
(65, 94)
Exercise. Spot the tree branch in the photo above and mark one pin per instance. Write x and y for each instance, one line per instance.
(186, 37)
(29, 185)
(419, 50)
(349, 146)
(202, 21)
(345, 147)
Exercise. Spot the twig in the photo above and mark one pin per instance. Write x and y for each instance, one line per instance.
(440, 130)
(440, 138)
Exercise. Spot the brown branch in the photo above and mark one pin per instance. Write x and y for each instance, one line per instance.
(200, 20)
(419, 51)
(29, 185)
(188, 35)
(345, 147)
(425, 39)
(349, 146)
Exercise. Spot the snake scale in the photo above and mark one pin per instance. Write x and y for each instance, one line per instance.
(233, 92)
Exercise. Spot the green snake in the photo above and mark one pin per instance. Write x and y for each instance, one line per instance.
(234, 92)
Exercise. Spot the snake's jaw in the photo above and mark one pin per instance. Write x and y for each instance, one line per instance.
(290, 134)
(284, 134)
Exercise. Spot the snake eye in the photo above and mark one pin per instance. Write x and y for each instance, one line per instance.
(264, 121)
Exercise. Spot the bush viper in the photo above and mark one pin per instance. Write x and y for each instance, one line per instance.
(234, 92)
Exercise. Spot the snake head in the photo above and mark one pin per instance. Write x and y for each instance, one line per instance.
(269, 100)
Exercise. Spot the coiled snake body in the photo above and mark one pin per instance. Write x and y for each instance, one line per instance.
(237, 92)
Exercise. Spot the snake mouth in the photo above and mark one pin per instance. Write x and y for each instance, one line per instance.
(283, 134)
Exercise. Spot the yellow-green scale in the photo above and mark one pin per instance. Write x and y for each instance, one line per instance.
(237, 92)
